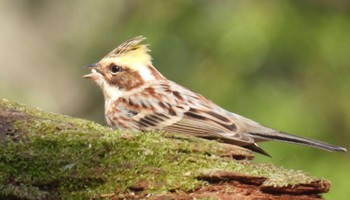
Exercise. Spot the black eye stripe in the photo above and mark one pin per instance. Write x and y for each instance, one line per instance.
(115, 69)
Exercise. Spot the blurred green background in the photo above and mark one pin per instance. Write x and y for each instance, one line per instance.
(285, 64)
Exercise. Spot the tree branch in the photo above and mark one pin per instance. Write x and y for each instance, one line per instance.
(50, 156)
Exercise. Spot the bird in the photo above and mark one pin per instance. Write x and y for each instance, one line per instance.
(139, 98)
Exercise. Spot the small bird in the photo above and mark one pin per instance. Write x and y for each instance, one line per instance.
(138, 97)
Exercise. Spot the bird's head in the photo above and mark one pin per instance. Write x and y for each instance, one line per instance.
(127, 67)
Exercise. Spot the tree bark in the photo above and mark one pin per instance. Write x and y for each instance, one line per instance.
(50, 156)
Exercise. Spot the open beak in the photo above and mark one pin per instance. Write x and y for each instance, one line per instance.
(95, 73)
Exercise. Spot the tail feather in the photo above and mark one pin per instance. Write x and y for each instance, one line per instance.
(254, 147)
(285, 137)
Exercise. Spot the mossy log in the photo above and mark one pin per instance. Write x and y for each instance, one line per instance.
(50, 156)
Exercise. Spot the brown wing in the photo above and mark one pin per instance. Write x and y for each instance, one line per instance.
(170, 107)
(206, 124)
(175, 109)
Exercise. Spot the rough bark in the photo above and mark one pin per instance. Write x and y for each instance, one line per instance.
(51, 156)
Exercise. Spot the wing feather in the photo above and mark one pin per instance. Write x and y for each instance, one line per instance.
(179, 110)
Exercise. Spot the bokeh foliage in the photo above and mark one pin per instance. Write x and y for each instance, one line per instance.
(283, 63)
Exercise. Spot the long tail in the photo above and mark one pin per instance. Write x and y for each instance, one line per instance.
(285, 137)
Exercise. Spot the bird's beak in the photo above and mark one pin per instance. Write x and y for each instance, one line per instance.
(94, 65)
(95, 73)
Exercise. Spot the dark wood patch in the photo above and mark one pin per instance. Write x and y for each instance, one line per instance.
(221, 175)
(315, 187)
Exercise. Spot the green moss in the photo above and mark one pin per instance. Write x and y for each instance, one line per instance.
(73, 158)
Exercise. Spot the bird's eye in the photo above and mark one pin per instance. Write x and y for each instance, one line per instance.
(115, 69)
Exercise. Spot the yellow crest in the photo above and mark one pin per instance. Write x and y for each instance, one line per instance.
(131, 51)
